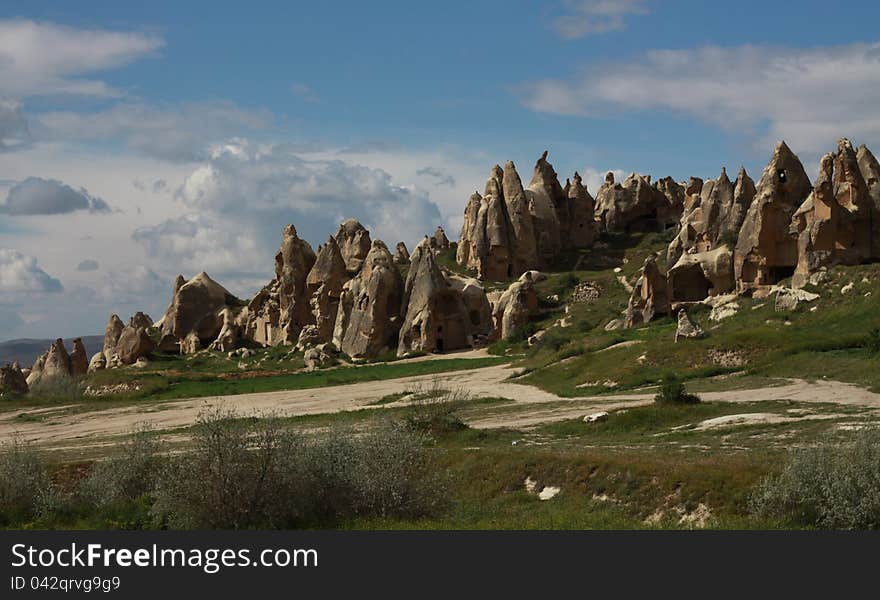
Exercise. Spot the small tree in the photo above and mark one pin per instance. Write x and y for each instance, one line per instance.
(672, 391)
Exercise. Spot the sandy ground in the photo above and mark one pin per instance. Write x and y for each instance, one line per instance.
(532, 405)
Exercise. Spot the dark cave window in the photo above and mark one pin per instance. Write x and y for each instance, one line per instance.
(781, 174)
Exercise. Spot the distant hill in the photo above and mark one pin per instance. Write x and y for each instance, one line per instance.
(26, 351)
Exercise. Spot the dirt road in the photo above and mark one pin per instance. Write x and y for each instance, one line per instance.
(57, 427)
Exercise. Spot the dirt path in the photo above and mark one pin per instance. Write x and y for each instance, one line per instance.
(532, 405)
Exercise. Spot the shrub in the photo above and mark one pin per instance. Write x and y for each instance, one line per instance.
(383, 472)
(25, 487)
(728, 238)
(436, 411)
(66, 388)
(252, 473)
(238, 476)
(131, 474)
(830, 486)
(672, 391)
(872, 341)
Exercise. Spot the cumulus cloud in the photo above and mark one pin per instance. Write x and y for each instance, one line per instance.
(769, 93)
(14, 131)
(36, 196)
(87, 265)
(240, 199)
(20, 274)
(39, 58)
(133, 285)
(440, 176)
(172, 132)
(591, 17)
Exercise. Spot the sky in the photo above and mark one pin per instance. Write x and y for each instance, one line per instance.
(143, 140)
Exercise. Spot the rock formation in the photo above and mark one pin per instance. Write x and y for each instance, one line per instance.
(79, 362)
(715, 217)
(439, 241)
(12, 381)
(833, 225)
(699, 275)
(870, 169)
(650, 295)
(111, 337)
(369, 308)
(134, 343)
(515, 306)
(765, 251)
(581, 207)
(401, 254)
(197, 307)
(440, 314)
(687, 328)
(281, 309)
(510, 229)
(635, 205)
(354, 243)
(324, 287)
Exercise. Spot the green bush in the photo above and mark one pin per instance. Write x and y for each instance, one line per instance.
(436, 411)
(239, 475)
(26, 490)
(830, 486)
(131, 474)
(728, 238)
(872, 341)
(252, 473)
(65, 388)
(672, 391)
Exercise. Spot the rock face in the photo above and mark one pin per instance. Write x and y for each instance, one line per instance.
(134, 343)
(635, 205)
(57, 363)
(79, 363)
(369, 308)
(281, 309)
(833, 225)
(12, 381)
(440, 314)
(715, 217)
(324, 287)
(435, 317)
(687, 328)
(581, 206)
(696, 276)
(513, 308)
(439, 241)
(510, 229)
(765, 250)
(401, 254)
(354, 243)
(197, 307)
(650, 296)
(111, 336)
(870, 169)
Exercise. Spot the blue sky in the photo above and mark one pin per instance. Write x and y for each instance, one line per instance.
(205, 126)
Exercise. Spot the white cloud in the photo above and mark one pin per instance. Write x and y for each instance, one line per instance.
(173, 132)
(38, 58)
(14, 131)
(810, 97)
(588, 17)
(238, 202)
(36, 196)
(21, 274)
